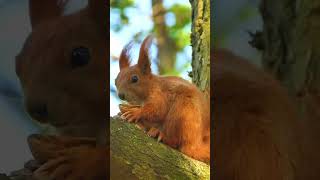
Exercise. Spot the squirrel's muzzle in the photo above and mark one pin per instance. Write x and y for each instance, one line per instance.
(38, 112)
(121, 96)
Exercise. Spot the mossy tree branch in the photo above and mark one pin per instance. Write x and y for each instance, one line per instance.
(135, 155)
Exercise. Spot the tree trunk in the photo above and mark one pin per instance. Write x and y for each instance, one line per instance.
(166, 46)
(200, 40)
(137, 156)
(291, 51)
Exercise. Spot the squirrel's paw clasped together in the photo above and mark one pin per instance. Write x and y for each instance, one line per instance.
(63, 157)
(130, 113)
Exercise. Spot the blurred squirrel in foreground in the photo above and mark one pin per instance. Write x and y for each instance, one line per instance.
(168, 107)
(257, 133)
(62, 69)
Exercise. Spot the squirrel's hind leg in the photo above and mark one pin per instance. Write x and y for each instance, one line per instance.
(184, 127)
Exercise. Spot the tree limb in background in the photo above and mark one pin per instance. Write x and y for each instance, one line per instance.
(166, 46)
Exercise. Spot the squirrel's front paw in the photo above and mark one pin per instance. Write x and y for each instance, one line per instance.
(130, 113)
(155, 133)
(44, 147)
(75, 163)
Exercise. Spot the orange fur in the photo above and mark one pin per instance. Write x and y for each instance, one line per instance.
(257, 134)
(176, 108)
(64, 91)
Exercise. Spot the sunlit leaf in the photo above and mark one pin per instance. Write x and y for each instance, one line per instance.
(182, 14)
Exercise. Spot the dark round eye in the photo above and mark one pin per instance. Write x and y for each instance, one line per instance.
(134, 79)
(80, 57)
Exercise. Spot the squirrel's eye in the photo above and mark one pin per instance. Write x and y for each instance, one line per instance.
(80, 57)
(134, 79)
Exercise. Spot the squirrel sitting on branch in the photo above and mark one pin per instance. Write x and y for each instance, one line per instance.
(168, 107)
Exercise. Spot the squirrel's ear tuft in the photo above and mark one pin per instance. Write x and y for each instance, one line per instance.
(43, 10)
(124, 60)
(144, 58)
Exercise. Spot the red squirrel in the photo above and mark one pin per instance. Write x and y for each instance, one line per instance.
(170, 107)
(256, 130)
(62, 69)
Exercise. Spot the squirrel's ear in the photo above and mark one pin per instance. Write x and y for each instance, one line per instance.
(144, 59)
(124, 60)
(99, 11)
(43, 10)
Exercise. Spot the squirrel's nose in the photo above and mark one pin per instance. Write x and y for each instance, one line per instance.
(121, 96)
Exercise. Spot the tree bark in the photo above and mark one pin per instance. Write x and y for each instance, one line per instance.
(291, 51)
(137, 156)
(200, 40)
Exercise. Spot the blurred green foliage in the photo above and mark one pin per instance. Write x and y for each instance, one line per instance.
(178, 29)
(121, 6)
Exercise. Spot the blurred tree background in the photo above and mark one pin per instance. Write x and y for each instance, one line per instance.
(170, 23)
(232, 20)
(171, 27)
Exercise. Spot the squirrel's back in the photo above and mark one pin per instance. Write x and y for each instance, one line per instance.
(256, 130)
(176, 87)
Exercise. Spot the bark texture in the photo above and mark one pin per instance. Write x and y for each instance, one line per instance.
(137, 156)
(291, 49)
(290, 43)
(200, 40)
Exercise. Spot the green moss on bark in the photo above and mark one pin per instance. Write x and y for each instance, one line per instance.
(200, 40)
(137, 156)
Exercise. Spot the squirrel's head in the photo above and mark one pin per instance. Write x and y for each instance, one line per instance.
(62, 66)
(134, 82)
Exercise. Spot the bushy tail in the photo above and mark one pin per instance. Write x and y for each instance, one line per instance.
(199, 152)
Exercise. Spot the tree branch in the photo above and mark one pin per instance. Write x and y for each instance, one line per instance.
(135, 155)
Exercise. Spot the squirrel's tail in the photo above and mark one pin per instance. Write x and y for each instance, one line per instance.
(200, 152)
